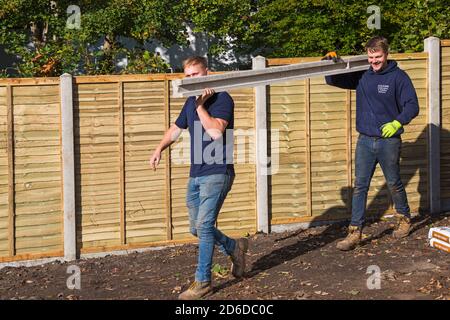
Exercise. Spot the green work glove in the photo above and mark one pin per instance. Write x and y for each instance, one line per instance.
(390, 128)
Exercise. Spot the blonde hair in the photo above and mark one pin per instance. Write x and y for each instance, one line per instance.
(194, 61)
(377, 43)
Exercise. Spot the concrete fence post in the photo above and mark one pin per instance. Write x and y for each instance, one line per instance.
(432, 46)
(262, 205)
(67, 148)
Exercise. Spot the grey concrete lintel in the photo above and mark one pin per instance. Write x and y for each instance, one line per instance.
(258, 77)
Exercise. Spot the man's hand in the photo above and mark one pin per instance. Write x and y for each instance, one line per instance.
(155, 158)
(207, 93)
(390, 128)
(332, 55)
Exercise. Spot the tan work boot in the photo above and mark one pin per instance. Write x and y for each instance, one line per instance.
(238, 258)
(196, 291)
(403, 227)
(353, 238)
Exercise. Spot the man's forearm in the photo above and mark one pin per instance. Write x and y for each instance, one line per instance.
(207, 121)
(170, 137)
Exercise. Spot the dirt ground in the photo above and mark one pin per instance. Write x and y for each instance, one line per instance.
(303, 264)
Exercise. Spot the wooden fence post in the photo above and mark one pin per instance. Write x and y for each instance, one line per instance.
(433, 47)
(67, 149)
(262, 206)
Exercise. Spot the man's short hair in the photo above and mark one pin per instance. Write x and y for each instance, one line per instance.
(377, 43)
(191, 61)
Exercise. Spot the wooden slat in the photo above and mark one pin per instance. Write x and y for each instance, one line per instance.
(29, 81)
(308, 145)
(121, 163)
(10, 147)
(409, 56)
(349, 150)
(33, 256)
(132, 77)
(284, 61)
(168, 187)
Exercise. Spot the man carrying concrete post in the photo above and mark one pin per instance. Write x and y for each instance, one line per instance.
(385, 101)
(210, 120)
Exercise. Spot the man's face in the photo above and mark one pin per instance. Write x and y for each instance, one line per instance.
(377, 59)
(195, 70)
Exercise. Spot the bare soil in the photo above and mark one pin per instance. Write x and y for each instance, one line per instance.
(302, 264)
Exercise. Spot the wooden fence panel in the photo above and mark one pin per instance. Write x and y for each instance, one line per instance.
(97, 164)
(238, 215)
(288, 186)
(316, 184)
(37, 169)
(445, 121)
(180, 163)
(144, 188)
(4, 185)
(414, 159)
(328, 149)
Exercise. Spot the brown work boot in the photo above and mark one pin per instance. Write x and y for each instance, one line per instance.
(353, 238)
(196, 291)
(403, 227)
(238, 258)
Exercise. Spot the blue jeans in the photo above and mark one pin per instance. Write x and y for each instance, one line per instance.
(369, 152)
(204, 198)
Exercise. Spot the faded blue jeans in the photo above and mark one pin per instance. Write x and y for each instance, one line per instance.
(204, 198)
(369, 152)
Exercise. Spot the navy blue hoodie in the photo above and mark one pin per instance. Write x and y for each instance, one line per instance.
(381, 97)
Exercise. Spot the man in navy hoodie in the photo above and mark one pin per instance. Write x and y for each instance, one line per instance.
(385, 101)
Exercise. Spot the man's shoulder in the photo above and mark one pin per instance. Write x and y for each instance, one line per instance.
(223, 98)
(402, 75)
(224, 95)
(190, 101)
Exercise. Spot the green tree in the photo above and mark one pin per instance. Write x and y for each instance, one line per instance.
(290, 28)
(37, 32)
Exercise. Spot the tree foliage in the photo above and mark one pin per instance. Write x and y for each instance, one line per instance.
(289, 28)
(36, 30)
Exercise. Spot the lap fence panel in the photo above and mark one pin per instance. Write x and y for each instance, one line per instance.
(445, 123)
(317, 148)
(4, 175)
(38, 227)
(414, 160)
(288, 186)
(329, 158)
(145, 194)
(179, 175)
(97, 164)
(238, 214)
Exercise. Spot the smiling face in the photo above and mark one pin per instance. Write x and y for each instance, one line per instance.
(377, 59)
(195, 70)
